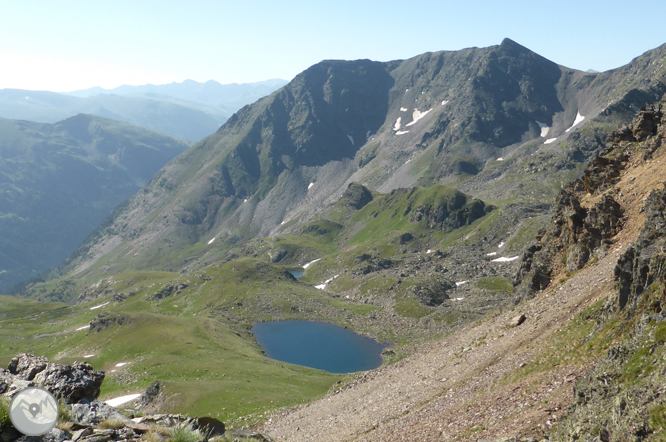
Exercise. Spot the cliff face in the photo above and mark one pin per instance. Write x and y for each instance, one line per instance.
(579, 232)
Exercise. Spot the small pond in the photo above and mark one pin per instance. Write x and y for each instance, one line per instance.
(297, 272)
(318, 345)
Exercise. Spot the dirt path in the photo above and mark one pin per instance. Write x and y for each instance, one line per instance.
(451, 387)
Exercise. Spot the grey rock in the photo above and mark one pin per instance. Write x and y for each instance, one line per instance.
(518, 320)
(55, 435)
(81, 433)
(94, 412)
(70, 382)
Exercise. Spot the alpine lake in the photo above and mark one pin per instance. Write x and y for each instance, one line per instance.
(319, 345)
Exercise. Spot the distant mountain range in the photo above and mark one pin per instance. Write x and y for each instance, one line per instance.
(188, 110)
(59, 181)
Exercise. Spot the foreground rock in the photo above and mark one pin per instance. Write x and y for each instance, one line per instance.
(71, 383)
(86, 419)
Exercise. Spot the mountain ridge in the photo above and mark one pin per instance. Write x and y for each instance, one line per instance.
(250, 158)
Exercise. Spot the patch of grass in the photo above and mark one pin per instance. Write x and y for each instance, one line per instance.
(410, 308)
(182, 433)
(638, 366)
(496, 284)
(111, 424)
(64, 412)
(4, 412)
(658, 418)
(660, 332)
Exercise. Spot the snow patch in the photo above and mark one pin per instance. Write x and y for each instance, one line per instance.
(417, 115)
(310, 186)
(500, 245)
(429, 251)
(211, 241)
(491, 254)
(321, 286)
(88, 356)
(99, 306)
(544, 129)
(282, 223)
(83, 328)
(444, 102)
(458, 284)
(403, 109)
(579, 119)
(351, 139)
(550, 140)
(457, 299)
(397, 124)
(122, 399)
(406, 90)
(245, 200)
(121, 364)
(500, 159)
(402, 132)
(505, 259)
(310, 263)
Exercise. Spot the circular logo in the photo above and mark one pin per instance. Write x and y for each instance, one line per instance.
(33, 411)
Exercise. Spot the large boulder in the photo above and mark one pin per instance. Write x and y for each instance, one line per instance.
(72, 383)
(94, 412)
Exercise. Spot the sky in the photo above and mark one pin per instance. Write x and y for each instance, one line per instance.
(69, 45)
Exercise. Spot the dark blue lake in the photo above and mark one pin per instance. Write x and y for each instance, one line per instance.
(318, 345)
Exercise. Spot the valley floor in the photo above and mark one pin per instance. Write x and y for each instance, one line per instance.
(476, 384)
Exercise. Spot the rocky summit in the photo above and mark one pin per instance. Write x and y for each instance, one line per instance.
(492, 218)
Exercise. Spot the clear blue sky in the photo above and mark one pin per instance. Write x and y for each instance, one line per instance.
(67, 45)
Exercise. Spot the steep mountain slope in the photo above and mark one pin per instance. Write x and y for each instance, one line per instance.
(488, 121)
(59, 181)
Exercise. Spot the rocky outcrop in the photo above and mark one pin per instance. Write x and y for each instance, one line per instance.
(168, 290)
(86, 419)
(356, 196)
(643, 263)
(449, 213)
(432, 293)
(106, 320)
(570, 240)
(71, 383)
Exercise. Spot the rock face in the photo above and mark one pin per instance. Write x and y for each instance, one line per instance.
(71, 383)
(643, 263)
(574, 235)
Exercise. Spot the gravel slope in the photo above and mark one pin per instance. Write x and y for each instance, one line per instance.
(450, 388)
